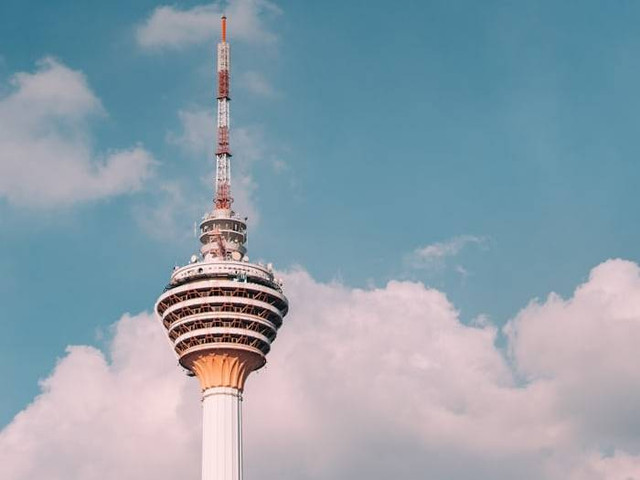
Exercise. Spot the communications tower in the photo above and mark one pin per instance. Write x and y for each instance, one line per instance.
(220, 311)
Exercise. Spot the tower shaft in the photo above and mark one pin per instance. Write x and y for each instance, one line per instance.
(222, 375)
(221, 434)
(223, 153)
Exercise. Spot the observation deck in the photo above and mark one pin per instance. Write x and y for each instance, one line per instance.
(222, 307)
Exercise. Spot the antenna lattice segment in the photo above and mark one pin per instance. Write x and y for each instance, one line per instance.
(223, 197)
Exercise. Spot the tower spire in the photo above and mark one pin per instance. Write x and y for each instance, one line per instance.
(223, 197)
(222, 233)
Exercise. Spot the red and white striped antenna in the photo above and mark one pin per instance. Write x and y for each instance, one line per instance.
(223, 197)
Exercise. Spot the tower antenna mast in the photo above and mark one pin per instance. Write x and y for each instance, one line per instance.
(223, 197)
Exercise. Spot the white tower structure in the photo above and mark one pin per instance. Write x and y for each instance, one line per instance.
(220, 311)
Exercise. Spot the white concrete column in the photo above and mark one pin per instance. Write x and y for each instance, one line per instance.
(222, 434)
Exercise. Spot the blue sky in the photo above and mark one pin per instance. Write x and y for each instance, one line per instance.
(488, 149)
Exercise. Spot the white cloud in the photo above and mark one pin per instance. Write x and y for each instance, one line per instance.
(198, 132)
(257, 84)
(436, 254)
(172, 212)
(364, 383)
(440, 250)
(45, 155)
(169, 27)
(129, 418)
(619, 466)
(584, 348)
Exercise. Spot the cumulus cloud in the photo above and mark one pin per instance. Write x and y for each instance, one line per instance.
(127, 417)
(584, 347)
(45, 155)
(366, 383)
(169, 27)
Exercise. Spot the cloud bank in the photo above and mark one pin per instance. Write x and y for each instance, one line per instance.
(169, 27)
(367, 384)
(46, 158)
